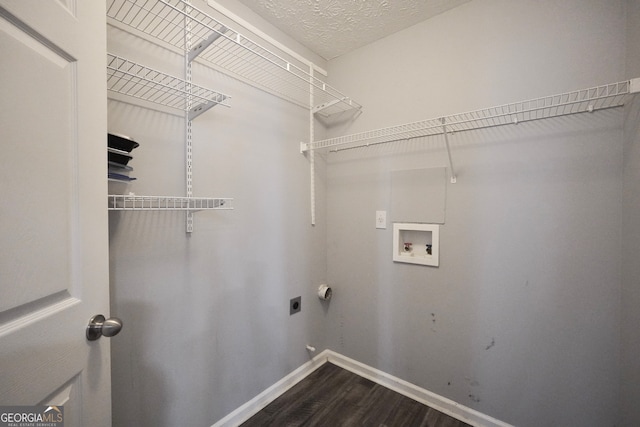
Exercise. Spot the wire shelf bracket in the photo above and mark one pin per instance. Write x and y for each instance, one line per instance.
(333, 107)
(204, 44)
(446, 141)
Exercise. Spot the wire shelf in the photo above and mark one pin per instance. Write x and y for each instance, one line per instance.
(132, 79)
(580, 101)
(167, 203)
(223, 48)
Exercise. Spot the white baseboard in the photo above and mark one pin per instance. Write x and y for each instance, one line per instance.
(435, 401)
(255, 405)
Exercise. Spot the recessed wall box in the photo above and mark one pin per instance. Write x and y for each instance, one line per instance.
(416, 243)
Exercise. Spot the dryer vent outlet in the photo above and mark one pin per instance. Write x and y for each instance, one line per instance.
(295, 305)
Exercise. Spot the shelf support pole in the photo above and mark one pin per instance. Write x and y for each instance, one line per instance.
(446, 141)
(188, 146)
(312, 154)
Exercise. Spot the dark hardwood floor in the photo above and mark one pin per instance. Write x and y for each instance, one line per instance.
(332, 396)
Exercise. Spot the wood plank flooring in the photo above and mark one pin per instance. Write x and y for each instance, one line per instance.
(332, 396)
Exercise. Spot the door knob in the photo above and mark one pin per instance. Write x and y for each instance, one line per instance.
(99, 326)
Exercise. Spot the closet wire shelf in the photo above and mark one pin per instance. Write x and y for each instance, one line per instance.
(164, 203)
(221, 47)
(580, 101)
(132, 79)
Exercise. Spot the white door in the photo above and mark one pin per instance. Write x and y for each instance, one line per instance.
(53, 216)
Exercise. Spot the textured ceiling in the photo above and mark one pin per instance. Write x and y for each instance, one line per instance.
(334, 27)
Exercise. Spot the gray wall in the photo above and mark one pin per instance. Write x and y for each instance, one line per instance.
(207, 323)
(521, 320)
(631, 236)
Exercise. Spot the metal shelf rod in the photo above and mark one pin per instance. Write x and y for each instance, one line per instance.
(586, 100)
(408, 138)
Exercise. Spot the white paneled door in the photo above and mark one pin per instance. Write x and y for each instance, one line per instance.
(53, 216)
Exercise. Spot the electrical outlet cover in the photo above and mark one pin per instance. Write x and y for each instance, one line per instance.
(295, 305)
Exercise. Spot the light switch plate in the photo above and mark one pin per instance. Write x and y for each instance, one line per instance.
(381, 219)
